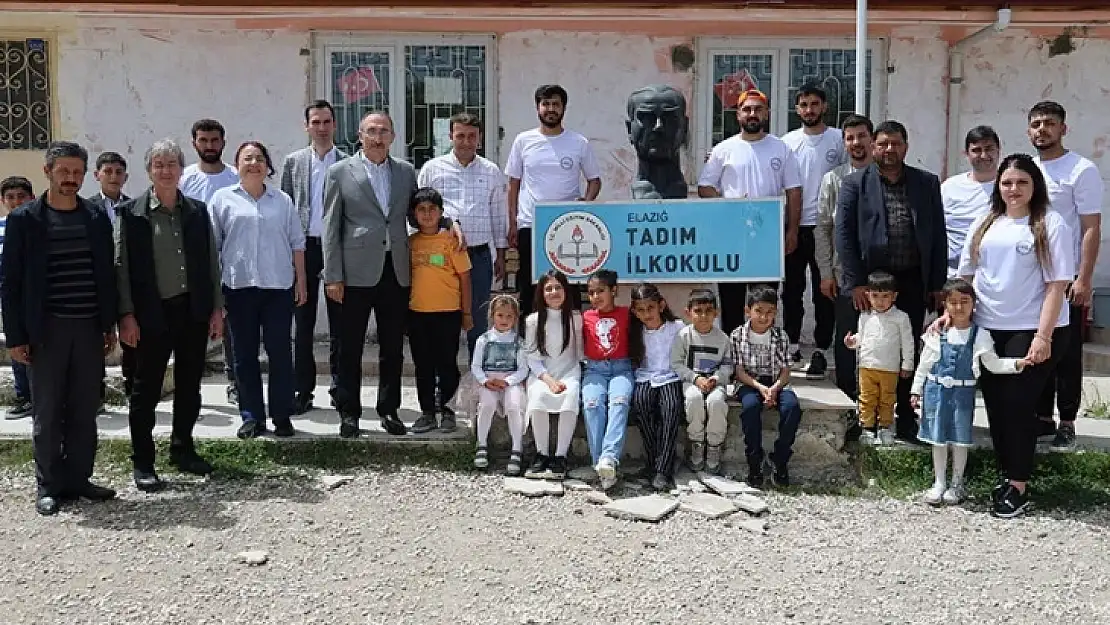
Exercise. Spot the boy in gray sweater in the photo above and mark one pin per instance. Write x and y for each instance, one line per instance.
(701, 357)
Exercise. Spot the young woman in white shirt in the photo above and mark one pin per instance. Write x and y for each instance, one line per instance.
(657, 399)
(1019, 261)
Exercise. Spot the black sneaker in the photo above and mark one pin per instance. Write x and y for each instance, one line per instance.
(302, 404)
(447, 420)
(147, 480)
(780, 474)
(348, 426)
(93, 492)
(1047, 428)
(755, 477)
(251, 429)
(426, 423)
(794, 358)
(392, 424)
(21, 408)
(817, 366)
(539, 467)
(1012, 503)
(558, 468)
(187, 461)
(1065, 438)
(855, 430)
(999, 488)
(284, 428)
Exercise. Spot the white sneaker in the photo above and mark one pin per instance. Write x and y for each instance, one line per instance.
(867, 438)
(934, 495)
(607, 472)
(886, 437)
(956, 493)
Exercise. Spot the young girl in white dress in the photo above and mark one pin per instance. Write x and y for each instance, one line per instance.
(499, 365)
(553, 338)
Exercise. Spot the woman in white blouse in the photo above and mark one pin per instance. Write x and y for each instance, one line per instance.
(1018, 260)
(261, 243)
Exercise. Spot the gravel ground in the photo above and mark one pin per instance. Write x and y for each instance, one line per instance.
(427, 547)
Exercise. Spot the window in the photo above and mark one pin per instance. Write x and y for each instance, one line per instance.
(778, 69)
(24, 95)
(421, 83)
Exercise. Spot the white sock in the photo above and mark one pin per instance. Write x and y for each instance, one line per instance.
(485, 421)
(541, 430)
(516, 429)
(567, 422)
(940, 463)
(959, 463)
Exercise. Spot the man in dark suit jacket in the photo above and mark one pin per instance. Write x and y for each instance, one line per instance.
(889, 216)
(58, 288)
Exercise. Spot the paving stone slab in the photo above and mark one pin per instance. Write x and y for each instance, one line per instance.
(577, 485)
(756, 526)
(532, 488)
(585, 474)
(751, 504)
(651, 508)
(332, 482)
(722, 485)
(598, 498)
(708, 505)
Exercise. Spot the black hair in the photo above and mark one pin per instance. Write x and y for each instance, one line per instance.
(762, 294)
(981, 133)
(1048, 107)
(805, 90)
(855, 119)
(66, 149)
(607, 277)
(12, 183)
(957, 285)
(882, 281)
(544, 92)
(261, 148)
(207, 125)
(891, 127)
(111, 158)
(650, 292)
(701, 296)
(464, 119)
(318, 104)
(566, 311)
(423, 194)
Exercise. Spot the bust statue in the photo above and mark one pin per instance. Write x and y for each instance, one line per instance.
(657, 127)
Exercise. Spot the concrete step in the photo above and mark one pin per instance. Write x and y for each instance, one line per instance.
(1096, 358)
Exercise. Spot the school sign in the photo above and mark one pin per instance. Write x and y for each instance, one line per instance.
(706, 240)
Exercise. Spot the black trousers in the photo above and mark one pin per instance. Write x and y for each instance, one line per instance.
(660, 411)
(1011, 400)
(304, 359)
(65, 382)
(524, 284)
(1065, 383)
(793, 290)
(847, 321)
(434, 340)
(186, 339)
(389, 301)
(911, 300)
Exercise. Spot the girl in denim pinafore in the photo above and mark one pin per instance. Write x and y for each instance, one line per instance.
(949, 406)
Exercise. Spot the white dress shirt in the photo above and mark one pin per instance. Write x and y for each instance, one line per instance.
(473, 194)
(382, 183)
(256, 238)
(319, 171)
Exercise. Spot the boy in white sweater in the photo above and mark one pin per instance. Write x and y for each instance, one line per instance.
(885, 345)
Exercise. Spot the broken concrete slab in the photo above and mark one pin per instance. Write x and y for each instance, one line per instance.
(576, 485)
(722, 485)
(533, 488)
(651, 508)
(253, 558)
(757, 526)
(585, 474)
(598, 498)
(751, 504)
(708, 505)
(332, 482)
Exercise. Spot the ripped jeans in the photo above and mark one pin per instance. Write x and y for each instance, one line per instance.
(606, 398)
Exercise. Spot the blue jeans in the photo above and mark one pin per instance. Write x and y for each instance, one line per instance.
(22, 383)
(262, 316)
(606, 398)
(790, 416)
(481, 283)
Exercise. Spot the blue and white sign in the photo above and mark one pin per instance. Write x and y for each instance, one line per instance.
(704, 240)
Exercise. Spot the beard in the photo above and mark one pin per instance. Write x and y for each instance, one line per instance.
(546, 120)
(210, 157)
(752, 126)
(810, 123)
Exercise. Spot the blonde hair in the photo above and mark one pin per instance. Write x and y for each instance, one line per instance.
(500, 301)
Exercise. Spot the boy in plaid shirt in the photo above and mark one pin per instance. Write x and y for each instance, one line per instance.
(763, 372)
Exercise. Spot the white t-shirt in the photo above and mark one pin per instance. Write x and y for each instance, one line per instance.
(756, 169)
(549, 169)
(817, 155)
(1009, 281)
(1075, 188)
(200, 186)
(964, 200)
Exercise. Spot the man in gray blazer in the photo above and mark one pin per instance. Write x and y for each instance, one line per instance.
(302, 178)
(366, 266)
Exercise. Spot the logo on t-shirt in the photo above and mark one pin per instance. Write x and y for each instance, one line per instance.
(1024, 247)
(832, 156)
(608, 334)
(776, 163)
(577, 243)
(566, 163)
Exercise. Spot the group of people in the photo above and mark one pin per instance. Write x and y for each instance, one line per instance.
(421, 250)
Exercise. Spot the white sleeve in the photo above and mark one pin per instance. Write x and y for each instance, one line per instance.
(514, 167)
(1088, 191)
(476, 360)
(579, 341)
(714, 167)
(930, 354)
(905, 330)
(590, 169)
(791, 172)
(534, 357)
(1059, 250)
(215, 214)
(984, 352)
(425, 173)
(966, 267)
